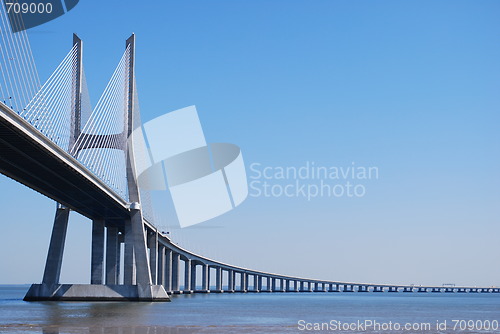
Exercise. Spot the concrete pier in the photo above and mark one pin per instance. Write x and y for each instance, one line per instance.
(187, 276)
(230, 281)
(193, 276)
(204, 278)
(53, 264)
(218, 280)
(129, 261)
(94, 292)
(168, 270)
(362, 288)
(175, 272)
(97, 257)
(348, 288)
(161, 265)
(112, 256)
(153, 255)
(243, 285)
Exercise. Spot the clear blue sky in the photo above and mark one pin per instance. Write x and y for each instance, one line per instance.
(411, 87)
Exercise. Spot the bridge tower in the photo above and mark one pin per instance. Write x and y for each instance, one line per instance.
(108, 232)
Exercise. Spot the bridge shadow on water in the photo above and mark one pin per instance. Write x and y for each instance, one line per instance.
(120, 330)
(102, 318)
(137, 318)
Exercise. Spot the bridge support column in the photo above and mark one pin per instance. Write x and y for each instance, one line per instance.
(53, 264)
(161, 265)
(144, 288)
(97, 257)
(187, 276)
(88, 292)
(128, 256)
(268, 284)
(331, 289)
(112, 259)
(193, 276)
(175, 272)
(230, 281)
(218, 279)
(257, 283)
(261, 283)
(204, 278)
(168, 270)
(153, 255)
(242, 282)
(143, 273)
(347, 288)
(119, 267)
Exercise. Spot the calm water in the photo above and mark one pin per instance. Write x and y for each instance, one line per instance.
(249, 313)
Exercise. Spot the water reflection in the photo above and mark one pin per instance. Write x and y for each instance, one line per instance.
(77, 313)
(121, 330)
(236, 313)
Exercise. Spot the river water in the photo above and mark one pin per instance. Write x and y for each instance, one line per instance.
(258, 313)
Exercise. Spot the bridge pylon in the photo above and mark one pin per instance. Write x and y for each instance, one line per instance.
(109, 279)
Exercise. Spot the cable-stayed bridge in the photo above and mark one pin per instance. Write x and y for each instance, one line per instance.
(85, 158)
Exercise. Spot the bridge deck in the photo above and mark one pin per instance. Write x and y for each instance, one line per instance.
(32, 159)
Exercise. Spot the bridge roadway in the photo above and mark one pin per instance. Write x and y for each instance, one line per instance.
(30, 158)
(229, 278)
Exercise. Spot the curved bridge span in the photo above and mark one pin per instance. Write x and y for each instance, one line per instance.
(168, 258)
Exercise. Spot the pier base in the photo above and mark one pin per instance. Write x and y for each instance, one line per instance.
(96, 292)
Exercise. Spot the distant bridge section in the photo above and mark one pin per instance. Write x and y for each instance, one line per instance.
(168, 260)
